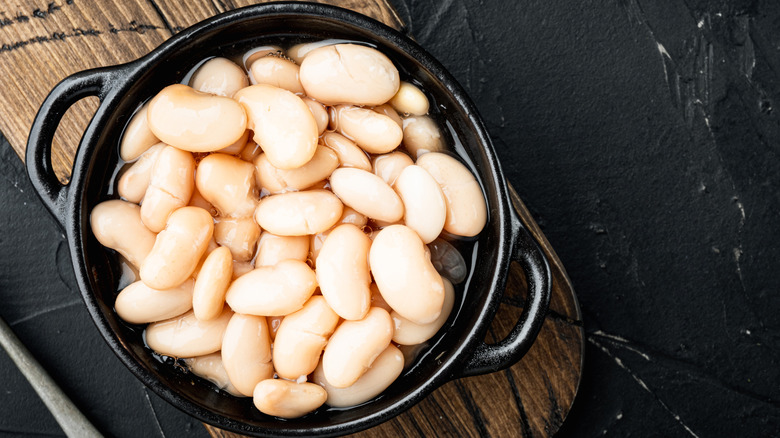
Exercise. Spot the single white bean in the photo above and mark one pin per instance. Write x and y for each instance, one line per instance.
(277, 71)
(349, 154)
(193, 121)
(354, 346)
(367, 193)
(178, 248)
(272, 249)
(383, 372)
(135, 180)
(228, 183)
(140, 304)
(409, 333)
(210, 367)
(186, 336)
(405, 276)
(239, 234)
(299, 51)
(351, 73)
(389, 166)
(421, 135)
(388, 110)
(208, 297)
(282, 124)
(301, 337)
(237, 146)
(259, 52)
(285, 399)
(272, 290)
(299, 213)
(117, 225)
(137, 137)
(374, 132)
(275, 180)
(246, 352)
(319, 112)
(351, 216)
(170, 187)
(466, 208)
(342, 271)
(410, 100)
(424, 207)
(219, 76)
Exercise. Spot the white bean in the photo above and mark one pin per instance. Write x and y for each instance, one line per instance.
(239, 234)
(351, 73)
(383, 372)
(272, 249)
(178, 248)
(389, 166)
(367, 193)
(410, 100)
(210, 367)
(424, 207)
(349, 154)
(343, 273)
(219, 76)
(282, 123)
(117, 225)
(186, 336)
(228, 183)
(246, 352)
(319, 112)
(137, 137)
(277, 71)
(301, 337)
(135, 180)
(299, 213)
(354, 346)
(409, 333)
(285, 399)
(421, 135)
(140, 304)
(275, 180)
(170, 187)
(272, 290)
(374, 132)
(214, 277)
(405, 276)
(193, 121)
(466, 208)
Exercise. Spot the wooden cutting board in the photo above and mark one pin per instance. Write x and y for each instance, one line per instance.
(42, 41)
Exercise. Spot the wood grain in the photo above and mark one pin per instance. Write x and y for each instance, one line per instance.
(41, 42)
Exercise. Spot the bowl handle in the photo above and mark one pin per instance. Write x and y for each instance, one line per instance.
(526, 251)
(73, 88)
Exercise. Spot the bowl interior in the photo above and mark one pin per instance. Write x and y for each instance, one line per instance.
(228, 37)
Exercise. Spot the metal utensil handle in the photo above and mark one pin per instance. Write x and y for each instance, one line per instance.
(70, 419)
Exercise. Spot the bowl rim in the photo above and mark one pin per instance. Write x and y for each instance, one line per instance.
(122, 76)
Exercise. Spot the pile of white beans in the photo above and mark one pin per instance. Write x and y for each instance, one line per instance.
(284, 223)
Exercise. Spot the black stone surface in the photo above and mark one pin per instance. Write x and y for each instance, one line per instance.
(644, 138)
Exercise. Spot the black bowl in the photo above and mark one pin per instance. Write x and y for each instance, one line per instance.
(458, 350)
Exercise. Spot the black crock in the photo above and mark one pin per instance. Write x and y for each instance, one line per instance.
(457, 351)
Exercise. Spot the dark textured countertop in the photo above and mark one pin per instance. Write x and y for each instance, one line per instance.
(644, 138)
